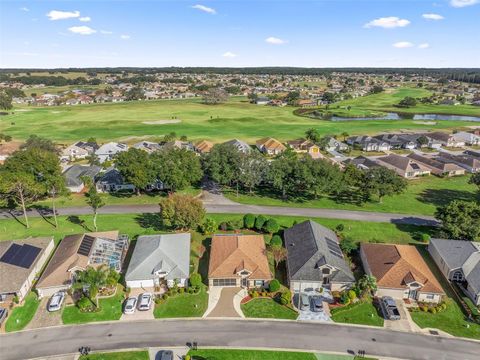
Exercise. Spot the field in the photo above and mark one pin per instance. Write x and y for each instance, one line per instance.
(131, 121)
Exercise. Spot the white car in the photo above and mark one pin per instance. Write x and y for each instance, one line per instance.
(56, 301)
(144, 301)
(130, 305)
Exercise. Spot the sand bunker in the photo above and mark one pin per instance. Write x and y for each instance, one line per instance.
(425, 122)
(162, 122)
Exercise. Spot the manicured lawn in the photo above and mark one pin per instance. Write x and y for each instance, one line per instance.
(267, 309)
(237, 118)
(123, 355)
(421, 197)
(363, 313)
(183, 305)
(110, 309)
(20, 316)
(228, 354)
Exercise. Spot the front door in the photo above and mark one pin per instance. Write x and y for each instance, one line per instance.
(245, 282)
(412, 294)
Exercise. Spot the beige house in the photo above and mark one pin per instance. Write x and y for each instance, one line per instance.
(20, 263)
(437, 167)
(401, 272)
(270, 146)
(403, 166)
(73, 152)
(238, 261)
(203, 146)
(305, 146)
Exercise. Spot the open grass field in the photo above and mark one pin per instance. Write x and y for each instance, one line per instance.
(422, 197)
(230, 354)
(21, 315)
(130, 121)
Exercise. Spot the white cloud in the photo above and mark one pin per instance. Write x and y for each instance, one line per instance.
(403, 44)
(62, 15)
(24, 8)
(275, 40)
(389, 22)
(204, 8)
(106, 32)
(424, 46)
(463, 3)
(82, 30)
(433, 17)
(85, 19)
(229, 54)
(124, 37)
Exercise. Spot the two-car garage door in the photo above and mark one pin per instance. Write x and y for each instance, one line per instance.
(224, 282)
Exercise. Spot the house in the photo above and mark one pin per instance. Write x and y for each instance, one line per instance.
(261, 100)
(20, 263)
(404, 166)
(147, 146)
(75, 253)
(336, 145)
(238, 261)
(468, 162)
(112, 181)
(239, 145)
(368, 143)
(446, 139)
(304, 146)
(401, 272)
(75, 173)
(203, 147)
(304, 103)
(459, 262)
(90, 147)
(397, 141)
(314, 259)
(467, 138)
(107, 151)
(159, 259)
(437, 167)
(362, 162)
(185, 145)
(270, 146)
(73, 152)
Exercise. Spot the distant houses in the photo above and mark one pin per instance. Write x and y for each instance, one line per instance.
(107, 151)
(270, 146)
(404, 166)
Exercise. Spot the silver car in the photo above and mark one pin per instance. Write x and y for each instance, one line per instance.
(56, 301)
(304, 302)
(144, 301)
(316, 303)
(130, 305)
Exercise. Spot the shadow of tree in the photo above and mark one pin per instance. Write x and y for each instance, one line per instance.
(150, 221)
(441, 197)
(45, 212)
(74, 219)
(204, 260)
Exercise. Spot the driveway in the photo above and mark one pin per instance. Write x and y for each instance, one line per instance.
(43, 318)
(310, 315)
(225, 306)
(139, 315)
(405, 323)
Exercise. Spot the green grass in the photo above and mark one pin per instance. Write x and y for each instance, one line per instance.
(422, 197)
(229, 354)
(235, 119)
(267, 309)
(122, 355)
(110, 309)
(21, 315)
(183, 305)
(363, 313)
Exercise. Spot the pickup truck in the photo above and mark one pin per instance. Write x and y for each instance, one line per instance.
(389, 308)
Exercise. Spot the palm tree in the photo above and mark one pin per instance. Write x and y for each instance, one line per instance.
(367, 284)
(92, 279)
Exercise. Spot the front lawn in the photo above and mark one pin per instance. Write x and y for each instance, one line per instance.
(110, 309)
(123, 355)
(183, 305)
(267, 309)
(362, 313)
(228, 354)
(22, 315)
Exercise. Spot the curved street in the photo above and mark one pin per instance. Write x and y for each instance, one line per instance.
(235, 333)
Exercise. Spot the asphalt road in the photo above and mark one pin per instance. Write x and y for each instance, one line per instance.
(235, 208)
(234, 333)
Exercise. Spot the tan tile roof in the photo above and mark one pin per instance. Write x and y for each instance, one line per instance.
(66, 259)
(204, 146)
(271, 144)
(395, 266)
(232, 253)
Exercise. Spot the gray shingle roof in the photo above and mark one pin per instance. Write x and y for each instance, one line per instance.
(166, 252)
(454, 252)
(74, 173)
(307, 247)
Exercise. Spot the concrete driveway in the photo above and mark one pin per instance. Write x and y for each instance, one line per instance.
(139, 315)
(43, 318)
(225, 303)
(310, 315)
(405, 323)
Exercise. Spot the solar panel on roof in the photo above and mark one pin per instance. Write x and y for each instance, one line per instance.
(21, 255)
(86, 245)
(334, 248)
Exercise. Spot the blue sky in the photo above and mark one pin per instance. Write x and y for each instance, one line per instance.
(332, 33)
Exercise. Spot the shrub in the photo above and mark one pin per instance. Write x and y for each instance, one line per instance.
(276, 241)
(191, 290)
(444, 306)
(267, 240)
(165, 296)
(195, 279)
(259, 222)
(16, 300)
(223, 226)
(424, 308)
(187, 357)
(286, 297)
(158, 300)
(209, 226)
(264, 294)
(432, 310)
(340, 227)
(84, 304)
(249, 221)
(425, 237)
(274, 285)
(254, 294)
(344, 299)
(336, 294)
(181, 290)
(352, 295)
(271, 226)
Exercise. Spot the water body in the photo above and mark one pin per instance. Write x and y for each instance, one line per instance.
(397, 116)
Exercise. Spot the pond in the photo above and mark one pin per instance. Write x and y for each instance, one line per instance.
(398, 116)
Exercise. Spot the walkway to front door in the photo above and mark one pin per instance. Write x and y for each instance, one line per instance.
(227, 302)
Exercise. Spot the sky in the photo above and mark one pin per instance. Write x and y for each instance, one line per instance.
(245, 33)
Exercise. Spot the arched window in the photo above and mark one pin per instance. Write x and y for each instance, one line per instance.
(457, 275)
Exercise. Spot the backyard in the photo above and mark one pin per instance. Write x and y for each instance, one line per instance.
(21, 315)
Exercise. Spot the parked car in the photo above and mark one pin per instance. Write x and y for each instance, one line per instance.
(164, 355)
(56, 301)
(304, 302)
(316, 303)
(130, 305)
(3, 315)
(144, 301)
(389, 308)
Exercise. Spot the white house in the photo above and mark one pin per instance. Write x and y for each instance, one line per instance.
(109, 150)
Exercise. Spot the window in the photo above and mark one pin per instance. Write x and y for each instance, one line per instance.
(259, 283)
(430, 297)
(224, 282)
(457, 276)
(326, 271)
